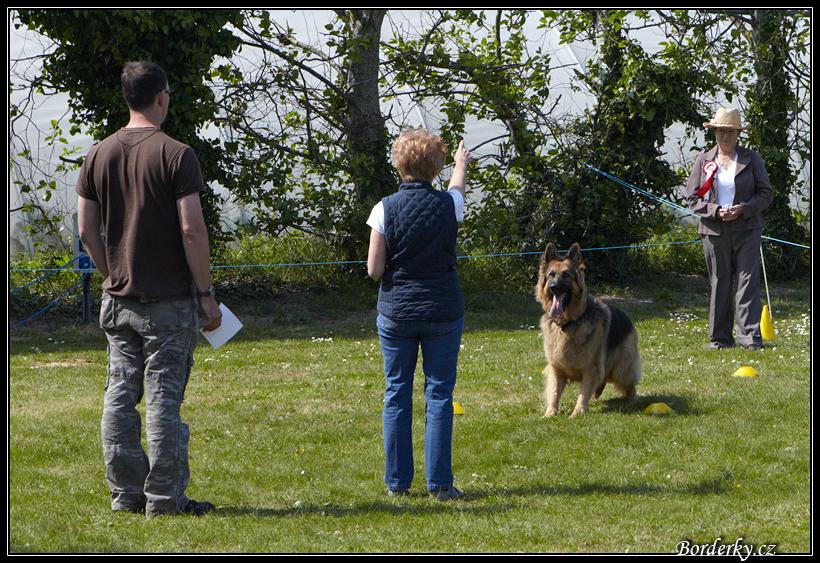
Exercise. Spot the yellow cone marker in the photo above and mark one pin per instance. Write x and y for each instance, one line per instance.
(745, 371)
(457, 409)
(766, 326)
(658, 408)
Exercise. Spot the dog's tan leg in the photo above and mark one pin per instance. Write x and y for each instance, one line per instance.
(588, 386)
(630, 379)
(631, 392)
(552, 392)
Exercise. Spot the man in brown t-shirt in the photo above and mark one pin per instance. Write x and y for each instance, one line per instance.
(143, 188)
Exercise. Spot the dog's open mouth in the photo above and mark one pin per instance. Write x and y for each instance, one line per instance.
(558, 302)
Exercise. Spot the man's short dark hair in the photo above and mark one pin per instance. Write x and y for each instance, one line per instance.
(141, 82)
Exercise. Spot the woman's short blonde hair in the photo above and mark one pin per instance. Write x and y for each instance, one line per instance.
(418, 155)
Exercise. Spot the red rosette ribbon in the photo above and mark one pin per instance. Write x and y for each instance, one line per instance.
(709, 169)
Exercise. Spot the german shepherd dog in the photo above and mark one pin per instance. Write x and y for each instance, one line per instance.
(585, 339)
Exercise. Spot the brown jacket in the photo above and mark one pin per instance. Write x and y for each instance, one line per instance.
(753, 192)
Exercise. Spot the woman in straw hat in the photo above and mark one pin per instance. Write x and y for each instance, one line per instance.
(728, 189)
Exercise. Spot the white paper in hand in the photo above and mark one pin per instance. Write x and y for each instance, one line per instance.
(229, 327)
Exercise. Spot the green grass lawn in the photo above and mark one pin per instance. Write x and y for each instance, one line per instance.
(286, 439)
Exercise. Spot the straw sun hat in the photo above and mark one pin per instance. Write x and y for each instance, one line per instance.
(726, 118)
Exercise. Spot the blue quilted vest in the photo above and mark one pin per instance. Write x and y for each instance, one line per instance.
(420, 281)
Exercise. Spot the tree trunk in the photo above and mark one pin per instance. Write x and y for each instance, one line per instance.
(373, 174)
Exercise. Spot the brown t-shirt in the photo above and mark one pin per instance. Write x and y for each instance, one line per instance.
(137, 176)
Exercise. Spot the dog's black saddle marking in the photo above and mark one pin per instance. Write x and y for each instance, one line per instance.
(620, 327)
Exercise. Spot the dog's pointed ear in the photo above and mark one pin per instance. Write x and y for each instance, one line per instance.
(574, 253)
(550, 254)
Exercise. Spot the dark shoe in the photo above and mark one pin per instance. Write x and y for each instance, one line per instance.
(447, 494)
(195, 508)
(754, 347)
(398, 493)
(719, 346)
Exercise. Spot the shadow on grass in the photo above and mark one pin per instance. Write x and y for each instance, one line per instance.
(681, 405)
(714, 486)
(413, 504)
(483, 501)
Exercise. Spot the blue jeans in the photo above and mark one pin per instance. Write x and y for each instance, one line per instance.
(440, 343)
(150, 353)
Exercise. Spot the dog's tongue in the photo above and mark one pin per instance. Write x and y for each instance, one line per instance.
(557, 308)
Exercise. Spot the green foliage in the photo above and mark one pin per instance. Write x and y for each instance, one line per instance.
(536, 189)
(93, 45)
(311, 143)
(773, 107)
(675, 251)
(472, 67)
(761, 54)
(638, 98)
(294, 259)
(304, 140)
(41, 282)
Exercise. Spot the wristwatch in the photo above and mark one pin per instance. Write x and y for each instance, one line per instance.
(210, 292)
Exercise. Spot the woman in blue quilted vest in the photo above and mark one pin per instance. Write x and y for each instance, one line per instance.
(413, 252)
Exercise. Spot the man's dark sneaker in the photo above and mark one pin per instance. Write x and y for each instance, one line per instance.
(195, 508)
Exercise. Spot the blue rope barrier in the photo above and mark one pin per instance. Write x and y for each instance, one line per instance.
(41, 278)
(293, 264)
(52, 303)
(585, 249)
(501, 255)
(673, 205)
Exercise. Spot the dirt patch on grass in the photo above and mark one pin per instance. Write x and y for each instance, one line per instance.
(63, 364)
